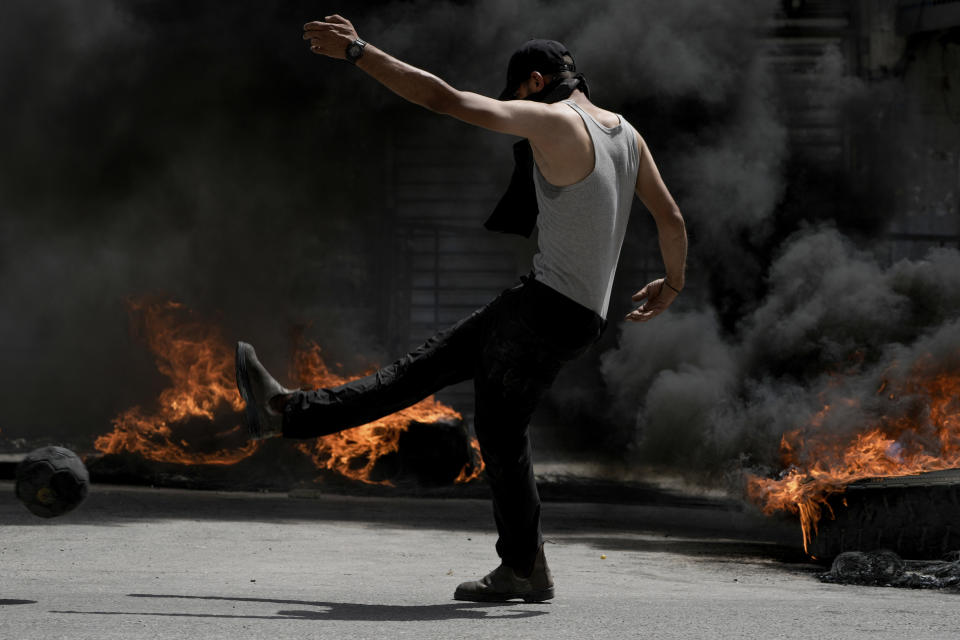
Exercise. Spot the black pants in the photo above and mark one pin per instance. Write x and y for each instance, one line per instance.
(513, 349)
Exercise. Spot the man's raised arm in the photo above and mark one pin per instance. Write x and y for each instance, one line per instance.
(531, 120)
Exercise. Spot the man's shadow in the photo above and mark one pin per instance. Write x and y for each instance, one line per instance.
(344, 610)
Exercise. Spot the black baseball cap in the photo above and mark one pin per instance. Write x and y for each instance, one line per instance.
(545, 56)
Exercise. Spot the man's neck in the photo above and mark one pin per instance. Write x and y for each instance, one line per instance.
(580, 98)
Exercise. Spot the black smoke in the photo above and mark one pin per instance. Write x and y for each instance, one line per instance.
(197, 150)
(189, 150)
(835, 325)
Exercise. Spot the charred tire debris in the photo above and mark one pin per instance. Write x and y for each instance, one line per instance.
(916, 517)
(886, 569)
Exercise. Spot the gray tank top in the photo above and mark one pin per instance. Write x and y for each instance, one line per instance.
(581, 226)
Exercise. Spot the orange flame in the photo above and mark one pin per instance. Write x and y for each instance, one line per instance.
(200, 366)
(471, 472)
(819, 463)
(198, 363)
(354, 452)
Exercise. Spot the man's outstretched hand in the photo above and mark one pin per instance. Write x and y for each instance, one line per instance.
(330, 37)
(657, 296)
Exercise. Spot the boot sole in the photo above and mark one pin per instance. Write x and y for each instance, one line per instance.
(254, 428)
(529, 596)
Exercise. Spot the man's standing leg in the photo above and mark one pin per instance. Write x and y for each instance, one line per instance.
(515, 371)
(502, 425)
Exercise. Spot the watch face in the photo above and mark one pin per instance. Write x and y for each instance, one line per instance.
(354, 50)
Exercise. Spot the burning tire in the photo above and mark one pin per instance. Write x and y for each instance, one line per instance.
(918, 517)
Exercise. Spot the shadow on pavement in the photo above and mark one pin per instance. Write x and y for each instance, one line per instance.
(739, 550)
(347, 611)
(9, 602)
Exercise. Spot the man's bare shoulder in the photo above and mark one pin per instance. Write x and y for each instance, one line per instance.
(551, 124)
(561, 123)
(605, 117)
(563, 111)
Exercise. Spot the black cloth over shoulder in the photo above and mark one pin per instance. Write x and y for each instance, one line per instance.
(517, 210)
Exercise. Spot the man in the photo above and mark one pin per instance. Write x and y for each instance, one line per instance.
(589, 162)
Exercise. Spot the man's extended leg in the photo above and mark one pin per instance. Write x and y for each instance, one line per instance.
(444, 359)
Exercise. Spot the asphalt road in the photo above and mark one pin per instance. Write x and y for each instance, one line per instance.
(154, 563)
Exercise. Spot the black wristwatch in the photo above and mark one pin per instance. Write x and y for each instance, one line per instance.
(355, 50)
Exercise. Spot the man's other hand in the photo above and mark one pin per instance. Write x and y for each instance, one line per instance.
(657, 297)
(330, 37)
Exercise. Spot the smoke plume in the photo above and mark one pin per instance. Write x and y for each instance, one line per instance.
(836, 327)
(199, 151)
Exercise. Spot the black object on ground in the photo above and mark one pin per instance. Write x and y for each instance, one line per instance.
(885, 568)
(917, 517)
(435, 453)
(51, 481)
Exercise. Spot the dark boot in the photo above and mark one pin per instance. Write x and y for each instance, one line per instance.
(258, 388)
(503, 584)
